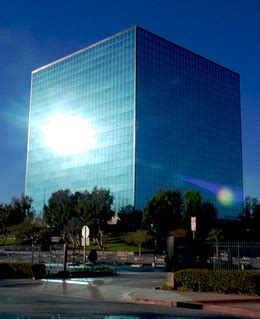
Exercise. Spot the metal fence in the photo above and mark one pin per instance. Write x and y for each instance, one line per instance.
(217, 255)
(54, 257)
(234, 255)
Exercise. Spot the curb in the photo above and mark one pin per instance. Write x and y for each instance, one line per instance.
(212, 306)
(155, 302)
(233, 310)
(229, 301)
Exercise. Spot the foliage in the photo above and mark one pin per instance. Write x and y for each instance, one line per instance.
(138, 237)
(192, 203)
(205, 213)
(92, 256)
(223, 281)
(21, 270)
(163, 214)
(250, 219)
(180, 233)
(167, 288)
(73, 231)
(101, 201)
(215, 235)
(3, 218)
(19, 209)
(59, 210)
(206, 220)
(27, 230)
(256, 218)
(95, 210)
(130, 219)
(15, 212)
(67, 213)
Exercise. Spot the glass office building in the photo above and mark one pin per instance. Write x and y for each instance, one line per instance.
(136, 113)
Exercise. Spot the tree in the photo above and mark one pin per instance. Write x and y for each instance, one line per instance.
(59, 211)
(250, 219)
(67, 213)
(95, 210)
(246, 218)
(256, 218)
(3, 218)
(19, 209)
(101, 201)
(215, 235)
(181, 233)
(206, 219)
(138, 237)
(72, 231)
(129, 219)
(27, 230)
(163, 214)
(192, 203)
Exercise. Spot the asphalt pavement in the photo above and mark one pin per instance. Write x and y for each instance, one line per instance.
(131, 292)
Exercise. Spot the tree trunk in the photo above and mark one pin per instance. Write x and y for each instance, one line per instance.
(65, 250)
(139, 248)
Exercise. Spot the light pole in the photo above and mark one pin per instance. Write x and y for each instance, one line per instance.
(155, 243)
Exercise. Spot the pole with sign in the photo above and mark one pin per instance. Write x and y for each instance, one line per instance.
(193, 226)
(85, 234)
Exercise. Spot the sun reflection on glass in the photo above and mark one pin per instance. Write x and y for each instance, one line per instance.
(67, 135)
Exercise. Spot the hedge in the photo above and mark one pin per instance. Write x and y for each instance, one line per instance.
(223, 281)
(22, 270)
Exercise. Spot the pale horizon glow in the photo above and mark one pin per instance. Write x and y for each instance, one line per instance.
(67, 135)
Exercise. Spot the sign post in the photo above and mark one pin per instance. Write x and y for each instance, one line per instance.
(193, 226)
(85, 234)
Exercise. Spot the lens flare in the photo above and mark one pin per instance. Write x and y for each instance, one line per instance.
(67, 135)
(225, 196)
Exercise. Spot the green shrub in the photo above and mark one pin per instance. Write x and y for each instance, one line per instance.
(21, 270)
(165, 287)
(223, 281)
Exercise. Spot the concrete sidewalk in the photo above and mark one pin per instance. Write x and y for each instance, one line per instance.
(248, 306)
(137, 288)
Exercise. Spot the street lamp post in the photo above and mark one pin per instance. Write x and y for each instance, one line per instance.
(155, 244)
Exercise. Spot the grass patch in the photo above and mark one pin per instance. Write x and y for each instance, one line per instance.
(117, 244)
(167, 288)
(7, 241)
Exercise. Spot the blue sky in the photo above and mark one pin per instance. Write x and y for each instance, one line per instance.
(34, 33)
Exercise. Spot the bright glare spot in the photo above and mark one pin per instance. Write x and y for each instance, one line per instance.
(67, 135)
(225, 196)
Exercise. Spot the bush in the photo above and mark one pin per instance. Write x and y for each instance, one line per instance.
(22, 270)
(223, 281)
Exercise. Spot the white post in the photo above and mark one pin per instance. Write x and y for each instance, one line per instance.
(193, 226)
(85, 239)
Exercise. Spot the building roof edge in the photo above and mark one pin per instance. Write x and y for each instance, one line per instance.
(83, 49)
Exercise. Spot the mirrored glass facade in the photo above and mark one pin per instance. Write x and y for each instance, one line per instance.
(188, 127)
(81, 126)
(136, 113)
